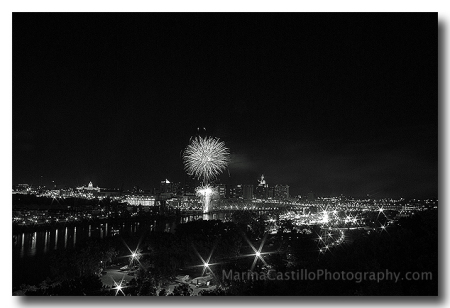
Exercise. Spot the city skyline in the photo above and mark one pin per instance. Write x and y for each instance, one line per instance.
(334, 104)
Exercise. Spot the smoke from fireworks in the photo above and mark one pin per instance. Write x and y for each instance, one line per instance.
(205, 158)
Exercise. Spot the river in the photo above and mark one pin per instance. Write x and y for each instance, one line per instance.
(31, 249)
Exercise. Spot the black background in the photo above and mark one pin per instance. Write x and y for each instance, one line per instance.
(329, 103)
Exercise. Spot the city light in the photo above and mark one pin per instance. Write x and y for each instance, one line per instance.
(205, 263)
(258, 254)
(325, 217)
(242, 155)
(118, 286)
(135, 255)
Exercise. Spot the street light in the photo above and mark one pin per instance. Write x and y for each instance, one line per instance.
(118, 286)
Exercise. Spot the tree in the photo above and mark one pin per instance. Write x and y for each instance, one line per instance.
(182, 289)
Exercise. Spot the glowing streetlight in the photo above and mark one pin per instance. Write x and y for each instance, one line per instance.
(205, 263)
(258, 254)
(118, 286)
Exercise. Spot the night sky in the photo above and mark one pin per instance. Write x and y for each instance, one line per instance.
(329, 103)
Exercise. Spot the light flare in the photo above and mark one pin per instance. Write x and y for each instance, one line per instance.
(118, 286)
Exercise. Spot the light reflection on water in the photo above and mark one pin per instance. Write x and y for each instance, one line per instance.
(65, 238)
(30, 244)
(56, 238)
(45, 242)
(31, 250)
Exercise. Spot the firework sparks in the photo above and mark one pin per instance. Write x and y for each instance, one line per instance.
(205, 158)
(205, 193)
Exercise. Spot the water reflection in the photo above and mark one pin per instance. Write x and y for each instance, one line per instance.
(22, 250)
(42, 242)
(33, 244)
(65, 238)
(56, 238)
(45, 242)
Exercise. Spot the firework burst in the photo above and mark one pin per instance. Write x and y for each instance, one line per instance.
(205, 158)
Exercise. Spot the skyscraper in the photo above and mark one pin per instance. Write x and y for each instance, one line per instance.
(247, 192)
(281, 192)
(262, 190)
(221, 188)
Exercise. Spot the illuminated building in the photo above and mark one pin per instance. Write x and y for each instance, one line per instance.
(281, 192)
(271, 192)
(247, 192)
(230, 191)
(262, 190)
(140, 199)
(222, 191)
(238, 191)
(165, 187)
(22, 188)
(90, 189)
(168, 188)
(104, 192)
